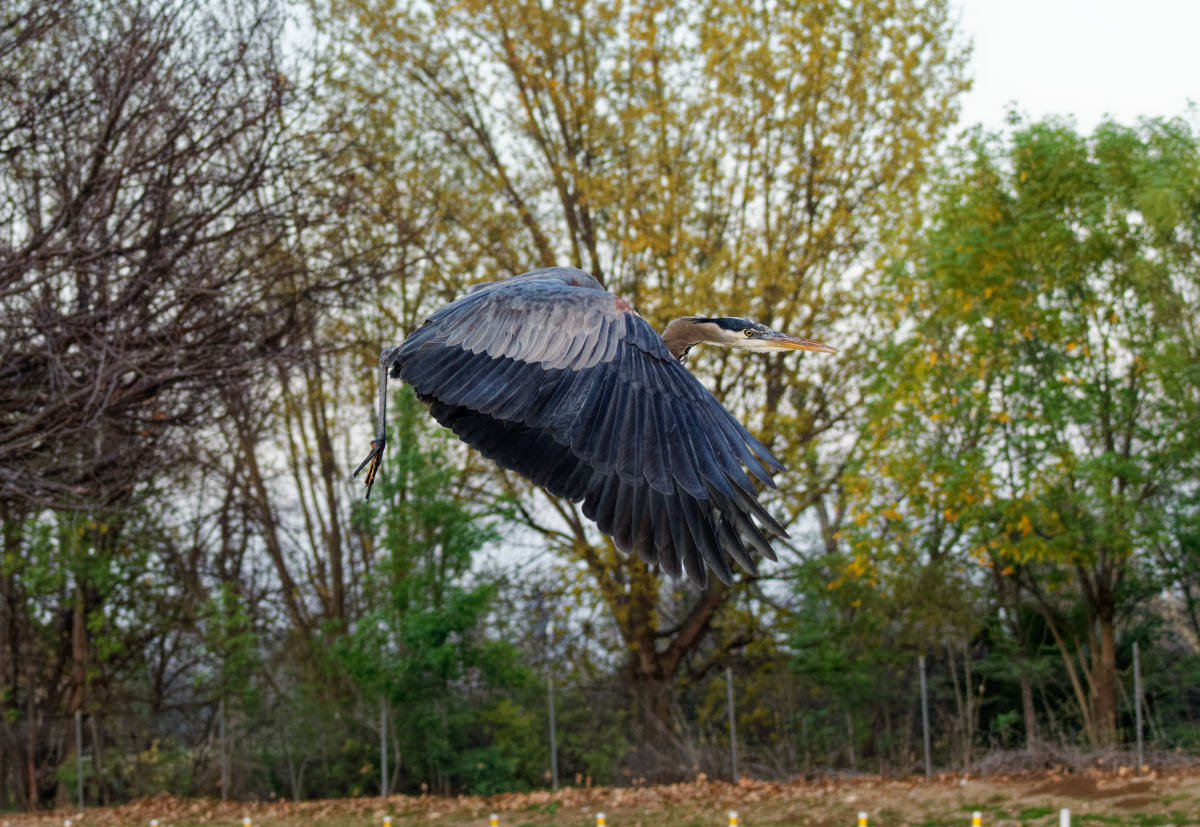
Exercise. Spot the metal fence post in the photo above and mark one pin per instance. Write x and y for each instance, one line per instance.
(733, 748)
(383, 767)
(553, 734)
(224, 754)
(1137, 703)
(925, 714)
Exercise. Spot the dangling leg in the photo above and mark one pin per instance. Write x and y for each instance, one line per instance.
(375, 457)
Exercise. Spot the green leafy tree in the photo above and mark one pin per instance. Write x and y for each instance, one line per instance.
(848, 639)
(1037, 411)
(424, 645)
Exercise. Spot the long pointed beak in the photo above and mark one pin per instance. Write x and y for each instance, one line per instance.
(783, 341)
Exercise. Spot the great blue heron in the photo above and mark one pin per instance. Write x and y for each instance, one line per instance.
(550, 375)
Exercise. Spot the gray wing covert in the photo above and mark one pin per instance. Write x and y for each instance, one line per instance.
(543, 320)
(551, 376)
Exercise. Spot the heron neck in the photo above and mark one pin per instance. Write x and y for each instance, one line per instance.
(679, 336)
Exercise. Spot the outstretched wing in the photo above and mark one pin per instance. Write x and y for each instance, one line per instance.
(550, 375)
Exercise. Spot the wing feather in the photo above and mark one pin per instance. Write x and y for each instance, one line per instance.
(656, 467)
(699, 523)
(685, 546)
(640, 526)
(622, 531)
(597, 505)
(683, 461)
(541, 341)
(732, 543)
(606, 442)
(668, 555)
(629, 442)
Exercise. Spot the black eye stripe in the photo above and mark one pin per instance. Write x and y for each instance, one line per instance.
(733, 323)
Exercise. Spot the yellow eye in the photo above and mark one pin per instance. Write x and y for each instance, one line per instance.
(749, 332)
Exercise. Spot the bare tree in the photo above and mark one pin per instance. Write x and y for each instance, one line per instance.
(155, 198)
(147, 221)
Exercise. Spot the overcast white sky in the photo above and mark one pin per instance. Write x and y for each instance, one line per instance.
(1087, 58)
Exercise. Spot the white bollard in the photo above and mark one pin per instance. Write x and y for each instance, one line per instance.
(494, 820)
(600, 820)
(1064, 817)
(862, 819)
(154, 822)
(387, 821)
(733, 822)
(976, 819)
(246, 821)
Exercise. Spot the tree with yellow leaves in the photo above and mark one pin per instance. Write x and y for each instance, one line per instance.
(711, 157)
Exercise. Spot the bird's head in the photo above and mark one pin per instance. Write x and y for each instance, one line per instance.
(732, 331)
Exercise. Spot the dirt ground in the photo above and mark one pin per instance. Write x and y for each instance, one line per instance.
(1164, 797)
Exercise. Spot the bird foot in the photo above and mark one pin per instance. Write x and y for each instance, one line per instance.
(371, 463)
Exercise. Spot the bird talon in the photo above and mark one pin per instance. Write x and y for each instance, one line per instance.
(372, 462)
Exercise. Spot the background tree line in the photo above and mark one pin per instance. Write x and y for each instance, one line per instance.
(212, 216)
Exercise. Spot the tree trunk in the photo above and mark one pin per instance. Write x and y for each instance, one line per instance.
(1104, 681)
(12, 664)
(657, 748)
(30, 746)
(631, 591)
(850, 740)
(1031, 731)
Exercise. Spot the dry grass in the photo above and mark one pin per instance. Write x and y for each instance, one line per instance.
(1163, 797)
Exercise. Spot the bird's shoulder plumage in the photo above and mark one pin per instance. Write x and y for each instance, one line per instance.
(552, 376)
(558, 317)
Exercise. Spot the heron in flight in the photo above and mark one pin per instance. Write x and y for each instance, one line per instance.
(550, 375)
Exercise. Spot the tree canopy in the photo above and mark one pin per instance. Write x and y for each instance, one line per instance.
(716, 158)
(1036, 412)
